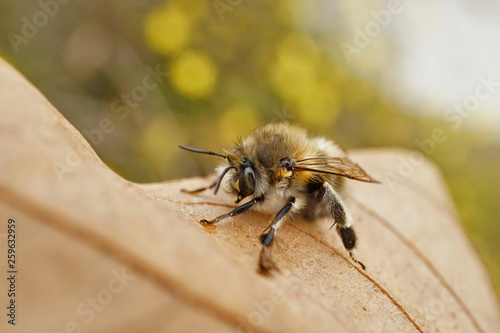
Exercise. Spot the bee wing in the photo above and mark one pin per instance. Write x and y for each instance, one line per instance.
(336, 166)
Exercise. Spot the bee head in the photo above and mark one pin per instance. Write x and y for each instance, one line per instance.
(243, 181)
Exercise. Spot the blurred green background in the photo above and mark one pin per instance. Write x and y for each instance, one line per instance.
(226, 67)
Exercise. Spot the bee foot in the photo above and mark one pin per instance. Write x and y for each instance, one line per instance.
(353, 257)
(206, 222)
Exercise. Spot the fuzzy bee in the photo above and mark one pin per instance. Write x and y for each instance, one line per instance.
(281, 170)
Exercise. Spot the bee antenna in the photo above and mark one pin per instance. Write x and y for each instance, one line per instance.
(219, 180)
(201, 151)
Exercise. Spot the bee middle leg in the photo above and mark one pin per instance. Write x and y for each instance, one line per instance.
(265, 263)
(267, 238)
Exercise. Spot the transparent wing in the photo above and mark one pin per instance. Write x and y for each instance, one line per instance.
(336, 166)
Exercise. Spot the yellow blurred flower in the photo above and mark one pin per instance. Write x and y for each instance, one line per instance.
(194, 74)
(196, 8)
(167, 29)
(318, 105)
(237, 121)
(297, 75)
(295, 67)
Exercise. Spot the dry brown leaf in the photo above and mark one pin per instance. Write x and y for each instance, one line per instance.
(97, 253)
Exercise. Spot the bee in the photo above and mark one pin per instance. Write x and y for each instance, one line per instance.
(282, 170)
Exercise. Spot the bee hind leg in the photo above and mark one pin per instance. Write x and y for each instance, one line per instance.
(343, 220)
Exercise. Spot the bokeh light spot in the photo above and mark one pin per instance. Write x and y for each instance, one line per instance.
(194, 74)
(295, 66)
(238, 120)
(167, 30)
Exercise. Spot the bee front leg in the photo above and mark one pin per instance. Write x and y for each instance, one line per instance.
(265, 263)
(343, 220)
(234, 212)
(201, 189)
(216, 184)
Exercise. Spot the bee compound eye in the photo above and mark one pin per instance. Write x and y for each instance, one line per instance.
(247, 182)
